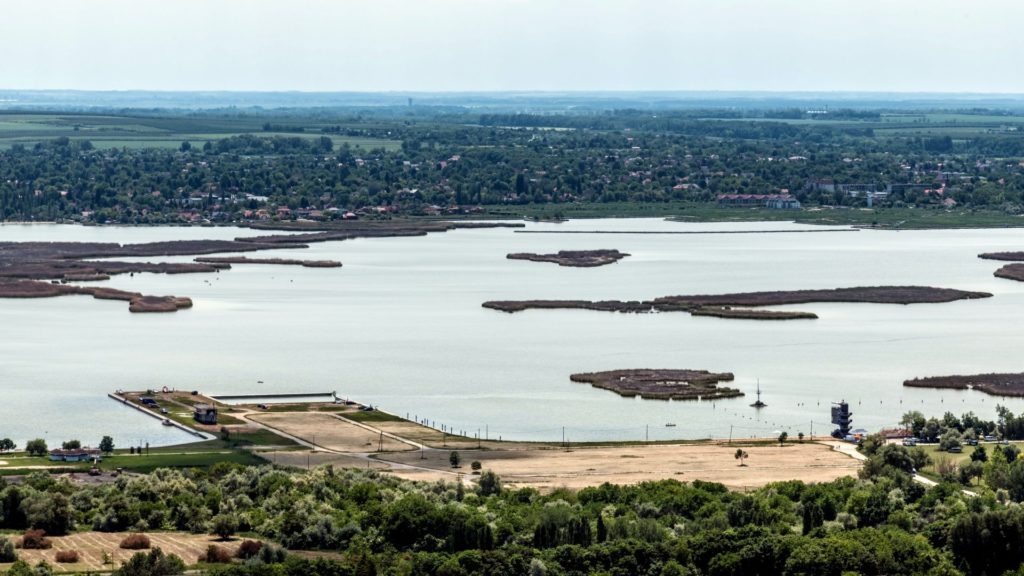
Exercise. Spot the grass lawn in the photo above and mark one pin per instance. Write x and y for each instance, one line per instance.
(372, 416)
(953, 458)
(191, 455)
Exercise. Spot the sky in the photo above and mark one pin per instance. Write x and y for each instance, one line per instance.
(500, 45)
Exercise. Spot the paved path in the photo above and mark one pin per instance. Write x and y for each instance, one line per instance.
(851, 451)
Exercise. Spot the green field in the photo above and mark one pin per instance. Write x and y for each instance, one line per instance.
(956, 459)
(136, 132)
(186, 456)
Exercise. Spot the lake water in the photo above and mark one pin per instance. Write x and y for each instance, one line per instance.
(400, 326)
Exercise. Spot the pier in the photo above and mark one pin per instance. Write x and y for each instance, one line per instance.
(162, 419)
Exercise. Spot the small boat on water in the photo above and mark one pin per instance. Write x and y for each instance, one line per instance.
(670, 425)
(167, 422)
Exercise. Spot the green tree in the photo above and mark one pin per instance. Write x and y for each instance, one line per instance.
(950, 439)
(7, 552)
(783, 437)
(36, 447)
(107, 444)
(224, 525)
(996, 471)
(71, 445)
(454, 459)
(741, 455)
(154, 563)
(913, 421)
(6, 445)
(489, 484)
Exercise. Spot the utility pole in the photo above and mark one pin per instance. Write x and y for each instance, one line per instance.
(380, 443)
(563, 436)
(730, 433)
(647, 433)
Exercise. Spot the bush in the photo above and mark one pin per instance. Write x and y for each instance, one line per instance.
(67, 556)
(216, 555)
(155, 563)
(7, 552)
(135, 542)
(225, 525)
(35, 540)
(272, 554)
(249, 548)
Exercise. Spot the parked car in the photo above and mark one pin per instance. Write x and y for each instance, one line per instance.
(972, 442)
(910, 441)
(990, 438)
(955, 449)
(163, 410)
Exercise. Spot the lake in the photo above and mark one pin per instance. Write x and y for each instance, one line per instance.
(400, 326)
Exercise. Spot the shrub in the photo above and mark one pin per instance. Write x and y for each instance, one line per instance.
(35, 540)
(67, 556)
(225, 525)
(135, 542)
(272, 554)
(216, 555)
(7, 552)
(249, 548)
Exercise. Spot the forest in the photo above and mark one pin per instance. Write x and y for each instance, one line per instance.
(165, 167)
(362, 522)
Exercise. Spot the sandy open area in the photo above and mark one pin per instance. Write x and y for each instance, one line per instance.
(438, 439)
(323, 429)
(581, 467)
(92, 545)
(302, 458)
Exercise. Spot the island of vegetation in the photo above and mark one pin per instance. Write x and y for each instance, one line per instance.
(1011, 272)
(1006, 384)
(720, 305)
(44, 269)
(574, 258)
(660, 384)
(229, 260)
(1007, 256)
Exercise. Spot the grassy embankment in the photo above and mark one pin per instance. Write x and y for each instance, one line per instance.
(883, 218)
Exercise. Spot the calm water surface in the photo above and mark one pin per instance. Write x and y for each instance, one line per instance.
(400, 326)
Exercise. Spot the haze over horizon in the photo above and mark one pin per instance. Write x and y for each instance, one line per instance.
(936, 46)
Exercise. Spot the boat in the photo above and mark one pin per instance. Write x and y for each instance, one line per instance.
(167, 422)
(758, 404)
(670, 425)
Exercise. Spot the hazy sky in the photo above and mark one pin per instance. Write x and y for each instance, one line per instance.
(425, 45)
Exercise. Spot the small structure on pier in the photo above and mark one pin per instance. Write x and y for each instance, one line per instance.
(204, 414)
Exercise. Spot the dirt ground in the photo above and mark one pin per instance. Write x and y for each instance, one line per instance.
(303, 458)
(437, 439)
(323, 429)
(582, 467)
(92, 545)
